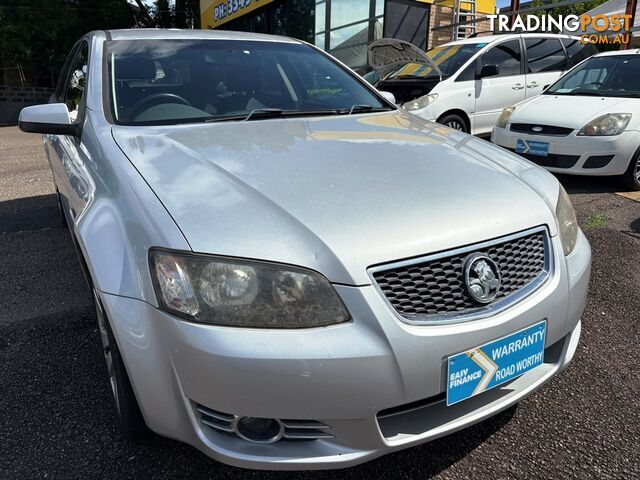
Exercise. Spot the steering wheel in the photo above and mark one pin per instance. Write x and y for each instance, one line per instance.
(156, 99)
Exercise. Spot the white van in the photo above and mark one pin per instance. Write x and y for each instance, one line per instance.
(465, 84)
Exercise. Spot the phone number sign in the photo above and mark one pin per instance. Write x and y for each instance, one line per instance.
(214, 13)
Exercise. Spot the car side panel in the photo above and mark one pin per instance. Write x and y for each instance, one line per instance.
(454, 95)
(537, 82)
(494, 94)
(118, 218)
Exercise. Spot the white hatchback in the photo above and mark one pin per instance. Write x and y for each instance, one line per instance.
(465, 84)
(585, 124)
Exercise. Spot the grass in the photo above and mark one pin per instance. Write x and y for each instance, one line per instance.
(597, 220)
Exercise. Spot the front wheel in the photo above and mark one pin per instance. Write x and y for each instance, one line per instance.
(454, 121)
(63, 217)
(132, 423)
(632, 175)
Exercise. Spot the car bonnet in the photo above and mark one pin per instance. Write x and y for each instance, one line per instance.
(334, 194)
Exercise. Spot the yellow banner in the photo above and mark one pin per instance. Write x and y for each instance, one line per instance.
(482, 6)
(214, 13)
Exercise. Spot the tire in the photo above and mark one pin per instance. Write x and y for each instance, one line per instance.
(132, 424)
(631, 177)
(454, 121)
(63, 217)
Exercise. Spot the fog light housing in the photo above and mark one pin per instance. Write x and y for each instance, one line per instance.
(259, 430)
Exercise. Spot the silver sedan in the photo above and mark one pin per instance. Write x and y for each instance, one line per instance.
(289, 272)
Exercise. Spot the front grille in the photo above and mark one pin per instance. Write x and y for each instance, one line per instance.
(552, 160)
(434, 286)
(545, 129)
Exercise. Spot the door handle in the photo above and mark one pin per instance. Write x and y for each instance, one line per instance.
(518, 86)
(532, 85)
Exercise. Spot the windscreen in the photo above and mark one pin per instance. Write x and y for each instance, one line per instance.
(609, 76)
(448, 58)
(180, 81)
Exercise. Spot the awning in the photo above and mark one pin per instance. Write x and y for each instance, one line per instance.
(612, 7)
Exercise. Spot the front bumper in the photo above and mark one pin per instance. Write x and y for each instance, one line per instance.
(621, 148)
(357, 378)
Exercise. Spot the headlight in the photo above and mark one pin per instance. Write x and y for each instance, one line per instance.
(420, 102)
(505, 116)
(239, 293)
(609, 124)
(567, 223)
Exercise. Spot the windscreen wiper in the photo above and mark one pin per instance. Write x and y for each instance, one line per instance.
(277, 112)
(264, 113)
(587, 93)
(356, 108)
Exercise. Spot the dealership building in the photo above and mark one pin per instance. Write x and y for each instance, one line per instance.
(345, 27)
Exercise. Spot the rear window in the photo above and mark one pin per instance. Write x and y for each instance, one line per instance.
(578, 51)
(545, 55)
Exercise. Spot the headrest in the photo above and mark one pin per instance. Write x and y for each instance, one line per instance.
(135, 67)
(243, 78)
(207, 73)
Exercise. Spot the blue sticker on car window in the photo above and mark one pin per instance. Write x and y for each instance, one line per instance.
(480, 45)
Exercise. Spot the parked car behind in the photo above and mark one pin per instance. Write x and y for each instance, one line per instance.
(465, 84)
(587, 123)
(288, 271)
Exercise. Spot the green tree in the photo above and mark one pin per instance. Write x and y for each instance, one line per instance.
(575, 9)
(37, 35)
(163, 14)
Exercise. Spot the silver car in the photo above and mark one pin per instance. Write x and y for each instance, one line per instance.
(289, 272)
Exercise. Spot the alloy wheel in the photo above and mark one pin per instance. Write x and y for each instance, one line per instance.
(455, 125)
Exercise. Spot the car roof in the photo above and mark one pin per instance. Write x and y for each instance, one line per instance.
(177, 34)
(615, 53)
(493, 38)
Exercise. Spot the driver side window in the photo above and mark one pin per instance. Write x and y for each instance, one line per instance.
(507, 56)
(76, 82)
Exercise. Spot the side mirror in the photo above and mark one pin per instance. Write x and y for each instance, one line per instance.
(489, 71)
(48, 119)
(389, 97)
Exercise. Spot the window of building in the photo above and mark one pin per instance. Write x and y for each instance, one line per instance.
(407, 20)
(343, 28)
(345, 12)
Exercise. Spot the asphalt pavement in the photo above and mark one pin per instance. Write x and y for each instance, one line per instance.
(57, 419)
